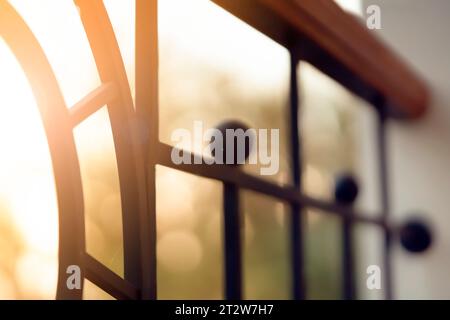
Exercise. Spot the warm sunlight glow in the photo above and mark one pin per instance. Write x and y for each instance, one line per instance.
(58, 28)
(353, 6)
(204, 31)
(27, 188)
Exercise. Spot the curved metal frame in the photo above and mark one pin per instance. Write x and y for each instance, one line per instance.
(58, 128)
(59, 122)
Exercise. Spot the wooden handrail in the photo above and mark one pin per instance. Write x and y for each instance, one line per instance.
(340, 46)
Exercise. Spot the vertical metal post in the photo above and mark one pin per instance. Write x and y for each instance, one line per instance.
(296, 165)
(232, 234)
(147, 130)
(347, 255)
(384, 183)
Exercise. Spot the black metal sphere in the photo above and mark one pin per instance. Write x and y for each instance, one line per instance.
(345, 190)
(228, 143)
(415, 236)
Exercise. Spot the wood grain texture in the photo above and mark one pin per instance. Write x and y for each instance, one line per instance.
(339, 45)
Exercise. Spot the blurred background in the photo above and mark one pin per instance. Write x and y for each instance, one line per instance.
(213, 67)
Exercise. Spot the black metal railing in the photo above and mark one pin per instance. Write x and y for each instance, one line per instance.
(137, 162)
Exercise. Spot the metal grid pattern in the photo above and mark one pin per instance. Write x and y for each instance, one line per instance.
(139, 150)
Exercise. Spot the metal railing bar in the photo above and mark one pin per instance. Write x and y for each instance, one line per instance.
(244, 180)
(348, 285)
(384, 185)
(351, 214)
(232, 242)
(108, 281)
(94, 101)
(296, 225)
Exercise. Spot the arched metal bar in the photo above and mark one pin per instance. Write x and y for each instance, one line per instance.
(129, 138)
(55, 117)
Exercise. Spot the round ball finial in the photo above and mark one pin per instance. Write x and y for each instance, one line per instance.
(240, 134)
(415, 236)
(346, 189)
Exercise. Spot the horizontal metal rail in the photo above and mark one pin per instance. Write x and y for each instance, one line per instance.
(234, 175)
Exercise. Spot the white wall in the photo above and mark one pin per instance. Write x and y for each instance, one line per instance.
(419, 152)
